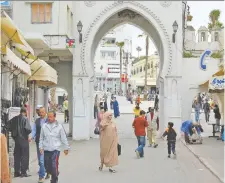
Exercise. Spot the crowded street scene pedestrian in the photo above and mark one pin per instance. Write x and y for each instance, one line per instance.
(112, 91)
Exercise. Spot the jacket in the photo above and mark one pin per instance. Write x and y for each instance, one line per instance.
(36, 131)
(52, 137)
(139, 125)
(171, 134)
(19, 127)
(153, 120)
(217, 113)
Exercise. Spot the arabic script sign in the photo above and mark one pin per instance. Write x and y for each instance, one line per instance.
(217, 83)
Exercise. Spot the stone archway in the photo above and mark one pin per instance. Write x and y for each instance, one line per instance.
(108, 18)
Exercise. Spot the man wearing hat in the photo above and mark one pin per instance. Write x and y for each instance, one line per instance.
(38, 109)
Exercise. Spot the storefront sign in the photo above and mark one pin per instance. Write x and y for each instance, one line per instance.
(5, 3)
(216, 83)
(13, 111)
(70, 43)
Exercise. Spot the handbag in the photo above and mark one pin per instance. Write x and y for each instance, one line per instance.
(119, 149)
(96, 131)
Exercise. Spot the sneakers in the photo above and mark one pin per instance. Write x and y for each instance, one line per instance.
(47, 176)
(156, 145)
(175, 154)
(41, 180)
(168, 155)
(138, 154)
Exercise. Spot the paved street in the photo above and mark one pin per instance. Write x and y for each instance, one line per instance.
(155, 167)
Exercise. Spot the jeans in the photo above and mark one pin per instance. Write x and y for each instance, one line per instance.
(66, 115)
(171, 146)
(207, 116)
(217, 125)
(197, 113)
(41, 164)
(141, 145)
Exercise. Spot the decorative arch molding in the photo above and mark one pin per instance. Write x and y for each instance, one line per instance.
(111, 10)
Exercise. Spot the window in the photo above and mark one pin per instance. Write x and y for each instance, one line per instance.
(216, 36)
(203, 36)
(108, 54)
(103, 54)
(41, 13)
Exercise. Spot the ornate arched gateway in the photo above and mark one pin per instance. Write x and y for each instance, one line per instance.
(156, 19)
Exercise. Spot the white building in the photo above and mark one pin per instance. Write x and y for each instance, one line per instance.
(138, 72)
(54, 21)
(46, 27)
(107, 63)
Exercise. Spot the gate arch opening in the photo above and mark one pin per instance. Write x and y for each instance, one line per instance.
(132, 13)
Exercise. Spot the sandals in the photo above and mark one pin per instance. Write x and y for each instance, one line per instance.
(112, 171)
(100, 168)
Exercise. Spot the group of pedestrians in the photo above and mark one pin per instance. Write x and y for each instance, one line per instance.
(199, 105)
(48, 135)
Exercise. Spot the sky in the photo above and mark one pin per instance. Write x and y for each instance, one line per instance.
(198, 9)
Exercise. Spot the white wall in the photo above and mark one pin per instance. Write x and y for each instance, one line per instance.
(192, 77)
(22, 18)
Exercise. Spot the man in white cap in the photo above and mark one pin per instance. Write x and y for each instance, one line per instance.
(38, 109)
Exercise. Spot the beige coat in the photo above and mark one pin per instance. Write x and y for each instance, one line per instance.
(5, 174)
(108, 143)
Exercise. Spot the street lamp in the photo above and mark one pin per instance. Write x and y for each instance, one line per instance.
(175, 28)
(79, 29)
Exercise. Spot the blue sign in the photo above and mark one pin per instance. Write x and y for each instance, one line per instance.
(202, 59)
(5, 3)
(217, 83)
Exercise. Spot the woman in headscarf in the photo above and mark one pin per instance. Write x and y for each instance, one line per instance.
(5, 174)
(100, 117)
(108, 143)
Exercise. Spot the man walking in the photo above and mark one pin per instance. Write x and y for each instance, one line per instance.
(206, 108)
(66, 110)
(52, 137)
(153, 121)
(139, 125)
(36, 131)
(20, 129)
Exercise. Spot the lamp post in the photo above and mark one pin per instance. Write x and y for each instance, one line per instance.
(79, 29)
(175, 28)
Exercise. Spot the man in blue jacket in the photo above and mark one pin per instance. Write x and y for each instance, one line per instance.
(36, 131)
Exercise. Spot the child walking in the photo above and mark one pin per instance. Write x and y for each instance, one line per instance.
(171, 139)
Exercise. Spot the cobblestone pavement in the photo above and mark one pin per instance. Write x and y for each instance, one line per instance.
(81, 165)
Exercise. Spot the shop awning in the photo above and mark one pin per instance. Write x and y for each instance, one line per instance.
(11, 33)
(42, 73)
(216, 84)
(219, 73)
(9, 56)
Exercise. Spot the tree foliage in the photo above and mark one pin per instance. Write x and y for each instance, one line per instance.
(214, 17)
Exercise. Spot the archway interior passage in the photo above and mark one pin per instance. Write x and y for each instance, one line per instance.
(127, 16)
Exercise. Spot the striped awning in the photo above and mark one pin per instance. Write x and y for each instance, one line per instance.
(9, 56)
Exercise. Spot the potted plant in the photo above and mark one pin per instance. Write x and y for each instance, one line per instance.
(189, 18)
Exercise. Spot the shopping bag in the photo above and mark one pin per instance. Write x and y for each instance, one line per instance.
(119, 149)
(96, 131)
